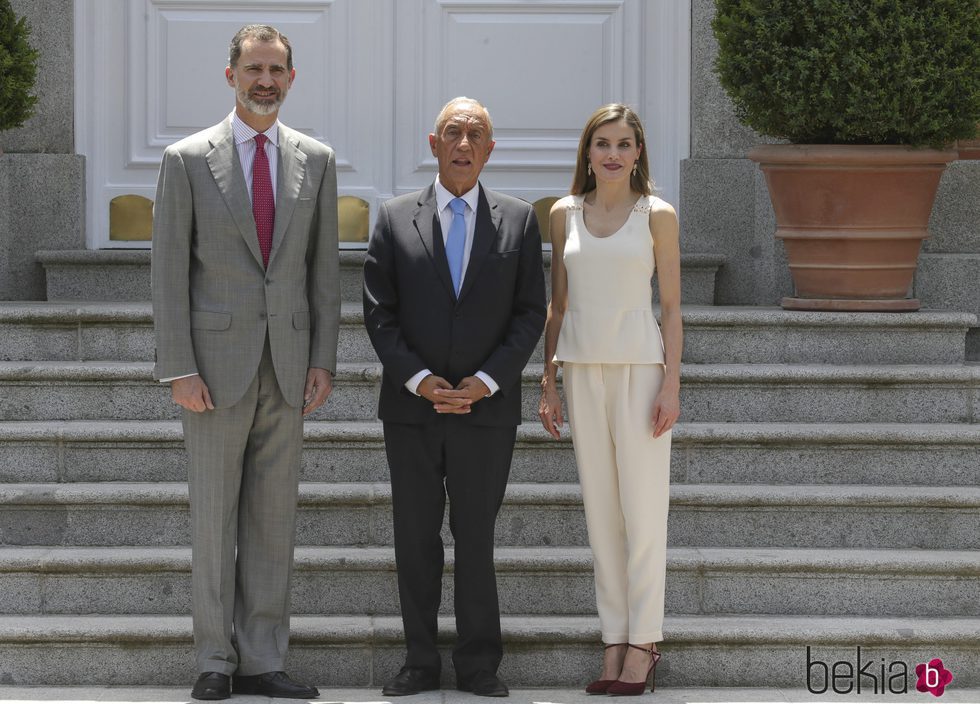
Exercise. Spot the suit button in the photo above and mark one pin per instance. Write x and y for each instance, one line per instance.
(261, 316)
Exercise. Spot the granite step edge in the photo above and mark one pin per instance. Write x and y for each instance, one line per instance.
(679, 630)
(524, 493)
(509, 559)
(958, 375)
(762, 317)
(705, 433)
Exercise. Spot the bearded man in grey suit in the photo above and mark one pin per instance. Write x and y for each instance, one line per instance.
(246, 306)
(454, 304)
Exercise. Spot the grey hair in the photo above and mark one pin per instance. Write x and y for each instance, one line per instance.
(443, 115)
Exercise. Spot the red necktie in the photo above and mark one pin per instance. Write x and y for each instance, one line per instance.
(263, 202)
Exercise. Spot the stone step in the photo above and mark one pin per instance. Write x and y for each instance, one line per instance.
(701, 515)
(124, 275)
(96, 275)
(540, 581)
(749, 393)
(744, 393)
(539, 651)
(713, 334)
(353, 451)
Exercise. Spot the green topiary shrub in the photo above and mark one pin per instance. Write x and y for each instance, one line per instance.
(18, 69)
(852, 71)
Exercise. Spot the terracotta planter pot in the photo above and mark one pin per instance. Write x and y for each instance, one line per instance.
(852, 219)
(969, 148)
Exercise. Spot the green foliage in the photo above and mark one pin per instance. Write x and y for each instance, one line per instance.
(852, 71)
(18, 69)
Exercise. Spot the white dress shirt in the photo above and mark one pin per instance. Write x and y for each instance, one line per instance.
(443, 198)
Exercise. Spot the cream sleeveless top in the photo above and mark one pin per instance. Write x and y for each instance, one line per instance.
(610, 319)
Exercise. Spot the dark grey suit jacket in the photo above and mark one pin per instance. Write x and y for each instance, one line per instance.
(415, 320)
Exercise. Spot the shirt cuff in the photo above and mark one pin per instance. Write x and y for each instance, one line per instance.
(174, 378)
(413, 383)
(491, 384)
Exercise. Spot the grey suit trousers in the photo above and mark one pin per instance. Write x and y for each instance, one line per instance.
(243, 478)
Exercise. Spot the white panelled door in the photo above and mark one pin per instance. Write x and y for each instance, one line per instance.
(371, 76)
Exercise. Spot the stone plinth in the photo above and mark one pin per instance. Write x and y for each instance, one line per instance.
(42, 206)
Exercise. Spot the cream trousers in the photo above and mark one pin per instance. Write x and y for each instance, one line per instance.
(625, 476)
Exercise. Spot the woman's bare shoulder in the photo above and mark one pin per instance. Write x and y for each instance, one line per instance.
(660, 206)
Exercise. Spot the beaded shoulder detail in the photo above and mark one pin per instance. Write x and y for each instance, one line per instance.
(643, 205)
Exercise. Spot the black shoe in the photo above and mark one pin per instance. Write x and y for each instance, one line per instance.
(484, 684)
(211, 685)
(411, 680)
(274, 684)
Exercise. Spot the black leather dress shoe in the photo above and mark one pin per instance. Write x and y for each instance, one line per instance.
(411, 680)
(484, 684)
(273, 684)
(211, 685)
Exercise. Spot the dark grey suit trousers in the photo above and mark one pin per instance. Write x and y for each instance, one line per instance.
(470, 464)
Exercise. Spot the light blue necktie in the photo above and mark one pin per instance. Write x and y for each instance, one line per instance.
(456, 242)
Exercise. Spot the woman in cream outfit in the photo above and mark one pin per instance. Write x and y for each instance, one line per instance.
(621, 379)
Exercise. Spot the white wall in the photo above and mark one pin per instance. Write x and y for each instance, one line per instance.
(371, 75)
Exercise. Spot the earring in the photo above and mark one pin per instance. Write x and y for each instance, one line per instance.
(634, 168)
(588, 168)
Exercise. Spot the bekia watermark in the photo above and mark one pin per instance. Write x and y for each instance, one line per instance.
(933, 677)
(874, 676)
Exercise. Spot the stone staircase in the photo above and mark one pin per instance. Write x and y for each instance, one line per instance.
(826, 492)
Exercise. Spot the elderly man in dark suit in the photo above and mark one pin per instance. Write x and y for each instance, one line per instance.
(454, 304)
(246, 305)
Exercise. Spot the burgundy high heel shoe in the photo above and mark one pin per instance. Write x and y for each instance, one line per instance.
(600, 686)
(631, 689)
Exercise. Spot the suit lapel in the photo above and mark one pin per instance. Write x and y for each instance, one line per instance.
(487, 223)
(427, 224)
(229, 177)
(292, 171)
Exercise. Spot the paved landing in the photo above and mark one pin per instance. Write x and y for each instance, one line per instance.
(129, 695)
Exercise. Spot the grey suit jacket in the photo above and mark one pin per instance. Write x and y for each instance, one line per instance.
(416, 321)
(213, 301)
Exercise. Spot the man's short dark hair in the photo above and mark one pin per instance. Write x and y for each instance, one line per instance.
(262, 33)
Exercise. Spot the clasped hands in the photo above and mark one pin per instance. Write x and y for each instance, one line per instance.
(446, 399)
(192, 393)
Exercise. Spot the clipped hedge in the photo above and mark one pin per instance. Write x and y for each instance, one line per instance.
(852, 71)
(18, 69)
